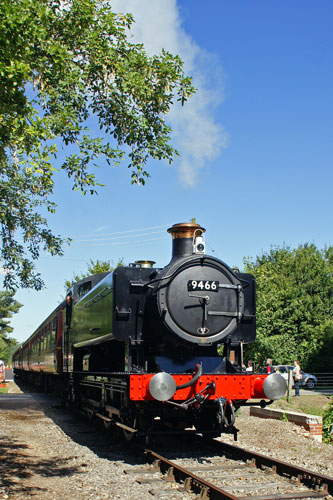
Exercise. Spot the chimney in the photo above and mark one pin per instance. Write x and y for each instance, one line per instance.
(183, 235)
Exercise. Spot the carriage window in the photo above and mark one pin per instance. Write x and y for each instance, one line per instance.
(54, 331)
(84, 288)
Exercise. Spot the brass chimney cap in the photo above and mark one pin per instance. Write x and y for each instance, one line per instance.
(186, 230)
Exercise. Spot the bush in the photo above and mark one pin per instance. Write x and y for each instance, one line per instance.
(328, 423)
(294, 306)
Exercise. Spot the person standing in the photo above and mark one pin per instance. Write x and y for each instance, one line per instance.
(249, 368)
(297, 374)
(269, 367)
(2, 371)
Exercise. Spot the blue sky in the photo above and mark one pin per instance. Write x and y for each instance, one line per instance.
(256, 144)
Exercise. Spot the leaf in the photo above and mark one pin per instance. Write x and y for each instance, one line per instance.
(63, 65)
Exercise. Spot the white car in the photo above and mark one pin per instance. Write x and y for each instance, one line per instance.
(308, 380)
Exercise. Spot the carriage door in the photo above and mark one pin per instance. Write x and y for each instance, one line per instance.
(66, 332)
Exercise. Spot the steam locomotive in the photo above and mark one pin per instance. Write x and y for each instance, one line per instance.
(149, 349)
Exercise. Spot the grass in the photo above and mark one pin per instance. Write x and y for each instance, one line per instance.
(3, 390)
(311, 405)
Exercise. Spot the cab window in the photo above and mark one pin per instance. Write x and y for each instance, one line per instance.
(84, 288)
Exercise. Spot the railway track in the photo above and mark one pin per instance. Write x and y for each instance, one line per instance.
(227, 472)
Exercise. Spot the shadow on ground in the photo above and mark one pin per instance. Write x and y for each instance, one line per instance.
(111, 444)
(17, 464)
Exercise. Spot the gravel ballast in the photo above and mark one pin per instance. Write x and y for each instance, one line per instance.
(50, 453)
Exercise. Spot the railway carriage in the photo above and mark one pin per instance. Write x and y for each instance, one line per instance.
(149, 349)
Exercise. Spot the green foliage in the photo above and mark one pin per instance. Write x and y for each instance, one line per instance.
(61, 64)
(328, 423)
(94, 267)
(8, 307)
(294, 306)
(322, 358)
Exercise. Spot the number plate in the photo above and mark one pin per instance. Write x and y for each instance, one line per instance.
(203, 285)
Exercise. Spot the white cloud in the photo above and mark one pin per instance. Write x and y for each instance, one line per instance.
(196, 133)
(4, 271)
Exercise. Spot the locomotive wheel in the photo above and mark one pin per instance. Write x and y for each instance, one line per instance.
(107, 425)
(130, 422)
(138, 422)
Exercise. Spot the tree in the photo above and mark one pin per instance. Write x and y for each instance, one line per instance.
(8, 307)
(64, 62)
(94, 267)
(294, 306)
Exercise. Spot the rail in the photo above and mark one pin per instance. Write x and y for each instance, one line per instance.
(228, 484)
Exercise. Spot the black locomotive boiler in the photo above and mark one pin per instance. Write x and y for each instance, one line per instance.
(148, 349)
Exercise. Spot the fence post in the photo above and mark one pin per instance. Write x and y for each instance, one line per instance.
(290, 384)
